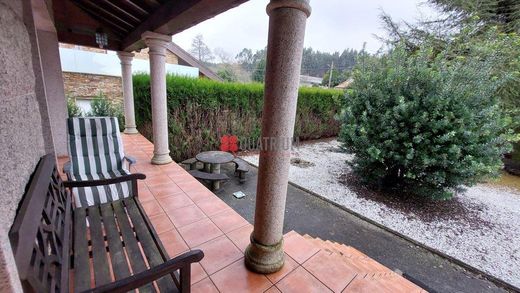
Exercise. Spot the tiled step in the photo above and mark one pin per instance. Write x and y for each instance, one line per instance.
(368, 272)
(352, 252)
(323, 244)
(337, 248)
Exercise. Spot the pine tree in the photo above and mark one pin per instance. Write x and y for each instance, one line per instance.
(505, 13)
(200, 49)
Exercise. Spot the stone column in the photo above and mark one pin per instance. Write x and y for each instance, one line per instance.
(128, 91)
(287, 20)
(157, 51)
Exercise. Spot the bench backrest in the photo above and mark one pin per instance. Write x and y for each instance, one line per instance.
(41, 232)
(95, 145)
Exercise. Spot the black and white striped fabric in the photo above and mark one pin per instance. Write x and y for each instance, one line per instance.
(96, 152)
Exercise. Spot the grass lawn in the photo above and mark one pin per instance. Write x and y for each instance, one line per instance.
(508, 180)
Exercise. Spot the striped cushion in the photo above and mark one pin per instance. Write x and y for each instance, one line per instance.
(96, 152)
(88, 196)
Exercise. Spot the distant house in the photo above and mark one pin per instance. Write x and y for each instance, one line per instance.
(88, 71)
(344, 84)
(306, 80)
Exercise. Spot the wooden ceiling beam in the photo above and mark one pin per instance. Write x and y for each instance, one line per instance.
(87, 40)
(104, 16)
(75, 26)
(152, 4)
(126, 20)
(175, 16)
(121, 11)
(162, 15)
(135, 7)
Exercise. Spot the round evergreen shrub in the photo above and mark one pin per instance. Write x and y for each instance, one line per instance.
(73, 109)
(424, 125)
(103, 107)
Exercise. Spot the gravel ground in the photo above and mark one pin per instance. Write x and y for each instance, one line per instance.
(483, 232)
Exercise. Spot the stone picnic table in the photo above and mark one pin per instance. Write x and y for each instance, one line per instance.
(212, 161)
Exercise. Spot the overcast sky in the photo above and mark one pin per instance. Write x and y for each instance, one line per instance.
(334, 25)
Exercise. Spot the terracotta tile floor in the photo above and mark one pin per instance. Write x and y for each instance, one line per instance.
(187, 215)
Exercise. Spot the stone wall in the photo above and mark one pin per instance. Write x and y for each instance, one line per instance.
(87, 86)
(84, 48)
(22, 140)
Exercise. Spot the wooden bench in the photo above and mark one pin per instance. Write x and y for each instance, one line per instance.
(111, 247)
(241, 167)
(191, 164)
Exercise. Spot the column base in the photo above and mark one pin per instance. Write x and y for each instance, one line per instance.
(131, 130)
(161, 159)
(264, 259)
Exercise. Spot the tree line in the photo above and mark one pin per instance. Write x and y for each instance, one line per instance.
(249, 64)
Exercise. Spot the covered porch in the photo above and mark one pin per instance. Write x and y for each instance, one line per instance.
(186, 215)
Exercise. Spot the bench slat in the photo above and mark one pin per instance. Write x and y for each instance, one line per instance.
(189, 161)
(99, 251)
(119, 264)
(131, 245)
(208, 176)
(67, 241)
(81, 254)
(149, 246)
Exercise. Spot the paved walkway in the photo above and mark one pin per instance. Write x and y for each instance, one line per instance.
(308, 214)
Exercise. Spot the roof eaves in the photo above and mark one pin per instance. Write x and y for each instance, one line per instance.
(186, 57)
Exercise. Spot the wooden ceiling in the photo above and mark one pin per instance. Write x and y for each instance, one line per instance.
(125, 20)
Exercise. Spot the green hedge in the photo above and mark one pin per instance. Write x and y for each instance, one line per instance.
(200, 111)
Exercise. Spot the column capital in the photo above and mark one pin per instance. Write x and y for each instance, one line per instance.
(125, 57)
(302, 5)
(156, 42)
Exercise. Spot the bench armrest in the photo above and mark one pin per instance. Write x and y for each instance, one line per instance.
(182, 262)
(131, 160)
(131, 177)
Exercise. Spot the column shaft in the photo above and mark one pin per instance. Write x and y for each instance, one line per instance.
(157, 52)
(284, 54)
(128, 91)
